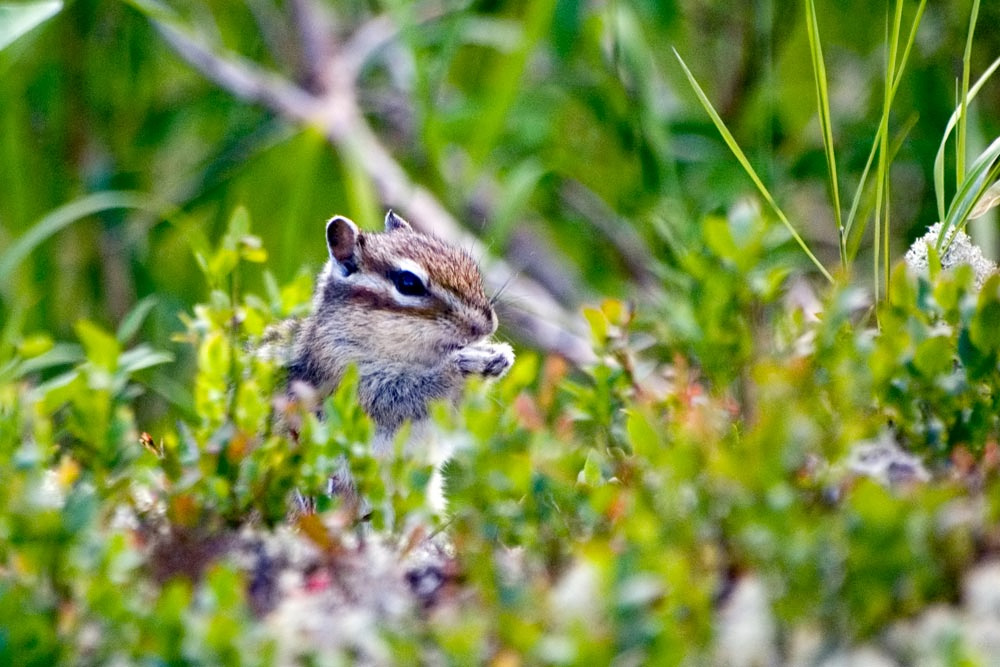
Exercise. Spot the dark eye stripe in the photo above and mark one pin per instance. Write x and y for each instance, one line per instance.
(408, 283)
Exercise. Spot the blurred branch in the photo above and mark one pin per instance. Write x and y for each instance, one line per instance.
(620, 233)
(314, 43)
(380, 30)
(277, 36)
(525, 248)
(366, 41)
(540, 319)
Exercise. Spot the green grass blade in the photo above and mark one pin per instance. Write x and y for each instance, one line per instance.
(886, 226)
(133, 320)
(61, 354)
(65, 215)
(885, 162)
(960, 146)
(876, 142)
(882, 167)
(823, 105)
(939, 158)
(863, 182)
(745, 163)
(854, 240)
(155, 10)
(989, 200)
(981, 174)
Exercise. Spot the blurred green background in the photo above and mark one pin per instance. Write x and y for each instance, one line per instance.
(563, 126)
(712, 445)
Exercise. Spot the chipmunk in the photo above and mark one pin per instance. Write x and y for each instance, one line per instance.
(409, 310)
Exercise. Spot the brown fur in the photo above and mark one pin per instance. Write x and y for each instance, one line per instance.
(448, 266)
(409, 351)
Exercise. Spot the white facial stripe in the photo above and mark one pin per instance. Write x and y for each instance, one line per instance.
(367, 281)
(406, 264)
(408, 301)
(449, 298)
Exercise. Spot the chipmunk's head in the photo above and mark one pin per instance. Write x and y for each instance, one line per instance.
(400, 293)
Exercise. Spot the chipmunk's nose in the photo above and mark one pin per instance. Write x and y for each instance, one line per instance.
(484, 326)
(479, 330)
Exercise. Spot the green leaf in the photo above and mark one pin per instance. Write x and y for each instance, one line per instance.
(252, 249)
(977, 363)
(719, 237)
(237, 244)
(239, 224)
(101, 348)
(645, 439)
(134, 318)
(142, 357)
(214, 356)
(983, 330)
(599, 325)
(34, 345)
(59, 354)
(18, 19)
(222, 264)
(933, 356)
(590, 475)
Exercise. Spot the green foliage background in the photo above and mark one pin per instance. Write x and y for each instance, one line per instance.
(707, 444)
(590, 96)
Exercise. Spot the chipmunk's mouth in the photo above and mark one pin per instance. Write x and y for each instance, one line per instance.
(445, 348)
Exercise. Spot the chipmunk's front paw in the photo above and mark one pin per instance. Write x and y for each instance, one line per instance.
(491, 360)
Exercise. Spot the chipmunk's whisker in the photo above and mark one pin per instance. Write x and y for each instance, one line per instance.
(481, 249)
(503, 288)
(513, 300)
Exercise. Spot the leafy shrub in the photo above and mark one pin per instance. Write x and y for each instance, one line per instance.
(591, 514)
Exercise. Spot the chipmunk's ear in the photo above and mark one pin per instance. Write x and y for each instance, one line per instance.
(342, 240)
(394, 222)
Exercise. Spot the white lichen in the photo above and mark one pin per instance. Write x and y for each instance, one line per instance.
(883, 460)
(961, 250)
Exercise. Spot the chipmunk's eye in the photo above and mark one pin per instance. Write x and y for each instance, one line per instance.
(407, 283)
